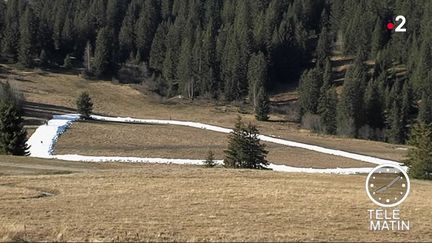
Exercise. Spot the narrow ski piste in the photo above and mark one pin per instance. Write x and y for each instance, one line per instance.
(43, 140)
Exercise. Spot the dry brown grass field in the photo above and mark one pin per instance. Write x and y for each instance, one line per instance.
(164, 141)
(113, 202)
(56, 93)
(52, 200)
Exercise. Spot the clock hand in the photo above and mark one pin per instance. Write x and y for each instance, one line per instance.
(384, 188)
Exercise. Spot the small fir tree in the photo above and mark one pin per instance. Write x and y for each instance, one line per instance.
(84, 105)
(210, 160)
(244, 148)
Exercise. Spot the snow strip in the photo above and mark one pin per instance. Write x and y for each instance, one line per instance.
(274, 167)
(44, 138)
(335, 152)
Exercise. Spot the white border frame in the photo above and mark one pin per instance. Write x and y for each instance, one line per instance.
(396, 203)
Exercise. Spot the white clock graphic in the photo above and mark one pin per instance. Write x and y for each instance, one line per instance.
(387, 185)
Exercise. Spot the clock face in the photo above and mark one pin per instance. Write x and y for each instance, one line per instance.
(387, 185)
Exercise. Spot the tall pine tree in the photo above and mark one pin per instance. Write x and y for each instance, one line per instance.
(102, 64)
(350, 114)
(262, 108)
(27, 38)
(257, 76)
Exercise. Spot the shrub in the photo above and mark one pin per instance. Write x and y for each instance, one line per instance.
(209, 162)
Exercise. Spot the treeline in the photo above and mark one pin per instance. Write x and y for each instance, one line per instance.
(388, 87)
(233, 50)
(194, 48)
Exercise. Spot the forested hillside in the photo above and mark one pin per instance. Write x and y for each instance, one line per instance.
(232, 50)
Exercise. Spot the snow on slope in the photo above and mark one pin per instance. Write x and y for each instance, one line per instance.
(44, 138)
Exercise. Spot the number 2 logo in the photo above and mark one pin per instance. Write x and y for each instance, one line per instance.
(400, 26)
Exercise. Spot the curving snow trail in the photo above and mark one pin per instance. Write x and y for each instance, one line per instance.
(44, 138)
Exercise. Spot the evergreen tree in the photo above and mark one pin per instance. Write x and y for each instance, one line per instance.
(84, 105)
(68, 34)
(407, 109)
(60, 17)
(146, 27)
(350, 107)
(158, 48)
(309, 90)
(27, 38)
(419, 159)
(115, 13)
(166, 9)
(327, 75)
(257, 76)
(204, 58)
(323, 47)
(171, 60)
(45, 32)
(13, 135)
(11, 33)
(127, 37)
(395, 131)
(425, 109)
(102, 63)
(198, 79)
(327, 108)
(96, 16)
(377, 41)
(244, 148)
(424, 64)
(184, 70)
(262, 108)
(373, 105)
(169, 72)
(240, 47)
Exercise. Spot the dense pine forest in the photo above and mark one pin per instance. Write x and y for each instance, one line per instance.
(242, 50)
